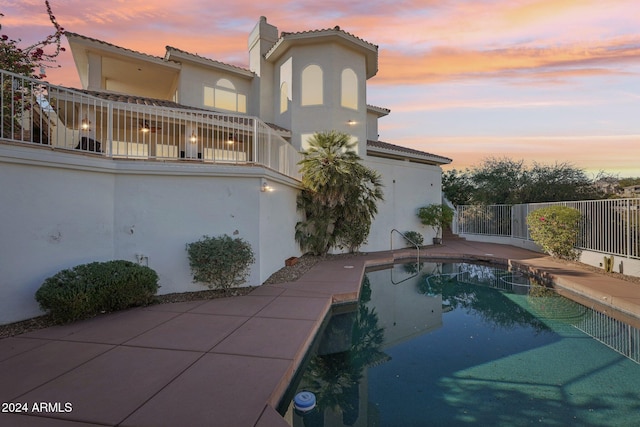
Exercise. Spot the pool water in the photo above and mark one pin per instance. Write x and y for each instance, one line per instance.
(458, 344)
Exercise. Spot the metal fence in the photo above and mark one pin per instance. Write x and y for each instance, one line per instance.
(615, 334)
(494, 220)
(608, 226)
(35, 112)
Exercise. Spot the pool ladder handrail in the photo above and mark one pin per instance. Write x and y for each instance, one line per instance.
(408, 240)
(417, 257)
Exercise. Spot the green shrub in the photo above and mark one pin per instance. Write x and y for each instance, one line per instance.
(89, 289)
(436, 216)
(555, 229)
(413, 238)
(220, 262)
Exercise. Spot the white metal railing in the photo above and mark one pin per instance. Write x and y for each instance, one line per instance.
(494, 220)
(614, 333)
(609, 226)
(35, 112)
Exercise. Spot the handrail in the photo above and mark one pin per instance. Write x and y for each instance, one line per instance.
(408, 240)
(417, 256)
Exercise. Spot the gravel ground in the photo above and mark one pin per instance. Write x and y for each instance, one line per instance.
(285, 274)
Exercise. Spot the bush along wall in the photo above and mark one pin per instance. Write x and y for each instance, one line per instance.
(220, 262)
(555, 229)
(413, 238)
(90, 289)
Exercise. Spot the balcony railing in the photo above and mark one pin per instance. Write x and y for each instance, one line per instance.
(35, 112)
(607, 226)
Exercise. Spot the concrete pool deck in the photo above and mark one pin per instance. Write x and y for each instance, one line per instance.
(222, 362)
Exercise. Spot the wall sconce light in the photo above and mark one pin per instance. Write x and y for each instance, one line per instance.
(85, 124)
(265, 187)
(144, 126)
(232, 139)
(351, 122)
(193, 138)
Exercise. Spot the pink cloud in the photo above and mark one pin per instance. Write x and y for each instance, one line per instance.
(591, 153)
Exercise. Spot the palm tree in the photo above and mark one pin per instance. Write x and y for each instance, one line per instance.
(340, 195)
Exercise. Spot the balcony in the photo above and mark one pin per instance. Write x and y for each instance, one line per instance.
(124, 127)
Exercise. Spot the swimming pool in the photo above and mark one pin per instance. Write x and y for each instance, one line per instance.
(467, 344)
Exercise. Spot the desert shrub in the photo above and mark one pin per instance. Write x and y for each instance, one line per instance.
(555, 229)
(221, 262)
(89, 289)
(413, 238)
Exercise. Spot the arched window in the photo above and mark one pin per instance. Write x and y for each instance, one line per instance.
(225, 97)
(284, 97)
(349, 98)
(312, 86)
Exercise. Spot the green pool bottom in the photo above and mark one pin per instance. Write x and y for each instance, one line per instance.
(488, 357)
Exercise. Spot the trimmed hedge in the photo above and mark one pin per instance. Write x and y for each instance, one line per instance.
(90, 289)
(221, 262)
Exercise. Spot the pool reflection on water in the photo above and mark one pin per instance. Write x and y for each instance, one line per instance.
(468, 344)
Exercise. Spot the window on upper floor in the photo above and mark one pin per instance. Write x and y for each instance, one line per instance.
(349, 95)
(312, 86)
(284, 97)
(225, 97)
(286, 77)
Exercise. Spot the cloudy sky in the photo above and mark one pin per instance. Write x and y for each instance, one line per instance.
(540, 80)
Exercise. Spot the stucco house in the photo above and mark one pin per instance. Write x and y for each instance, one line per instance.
(154, 152)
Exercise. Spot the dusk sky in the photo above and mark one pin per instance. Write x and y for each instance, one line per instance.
(535, 80)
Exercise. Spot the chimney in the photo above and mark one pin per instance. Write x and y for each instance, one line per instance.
(261, 39)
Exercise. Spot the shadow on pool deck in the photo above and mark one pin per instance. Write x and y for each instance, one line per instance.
(222, 362)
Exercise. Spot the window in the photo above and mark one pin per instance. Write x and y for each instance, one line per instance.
(349, 98)
(284, 98)
(312, 86)
(286, 77)
(225, 97)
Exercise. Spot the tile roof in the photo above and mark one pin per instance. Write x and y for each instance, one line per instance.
(288, 38)
(80, 36)
(278, 128)
(375, 107)
(138, 100)
(202, 58)
(327, 30)
(152, 102)
(381, 146)
(159, 58)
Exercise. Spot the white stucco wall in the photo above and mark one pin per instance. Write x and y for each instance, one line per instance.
(403, 312)
(50, 219)
(302, 120)
(278, 217)
(407, 186)
(58, 210)
(372, 126)
(193, 78)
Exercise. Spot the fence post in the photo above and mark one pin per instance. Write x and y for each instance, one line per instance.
(110, 128)
(628, 222)
(255, 141)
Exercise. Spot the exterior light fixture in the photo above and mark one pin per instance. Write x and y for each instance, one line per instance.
(85, 124)
(351, 122)
(232, 139)
(265, 187)
(144, 126)
(193, 138)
